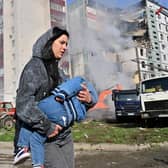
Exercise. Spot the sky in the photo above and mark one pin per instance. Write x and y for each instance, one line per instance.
(126, 3)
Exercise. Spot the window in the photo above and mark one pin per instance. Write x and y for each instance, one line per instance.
(158, 67)
(164, 57)
(151, 67)
(13, 55)
(13, 43)
(56, 7)
(166, 19)
(143, 64)
(144, 76)
(163, 46)
(161, 36)
(159, 17)
(166, 28)
(152, 75)
(141, 52)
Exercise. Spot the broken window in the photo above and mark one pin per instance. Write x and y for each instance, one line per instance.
(161, 36)
(151, 67)
(141, 52)
(143, 64)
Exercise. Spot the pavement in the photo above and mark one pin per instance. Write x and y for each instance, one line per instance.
(6, 151)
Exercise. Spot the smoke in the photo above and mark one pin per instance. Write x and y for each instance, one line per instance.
(104, 45)
(105, 42)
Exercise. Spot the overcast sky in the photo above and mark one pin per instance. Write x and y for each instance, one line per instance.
(126, 3)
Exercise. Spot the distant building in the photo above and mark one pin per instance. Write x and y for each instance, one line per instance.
(21, 23)
(57, 13)
(1, 52)
(149, 28)
(96, 36)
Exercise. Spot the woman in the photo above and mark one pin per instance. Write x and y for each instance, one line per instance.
(39, 77)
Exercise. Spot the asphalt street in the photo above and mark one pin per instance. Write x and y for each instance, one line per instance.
(104, 156)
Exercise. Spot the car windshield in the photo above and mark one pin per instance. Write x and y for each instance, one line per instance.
(155, 85)
(127, 97)
(5, 105)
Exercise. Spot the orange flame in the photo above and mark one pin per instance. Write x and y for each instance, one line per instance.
(102, 96)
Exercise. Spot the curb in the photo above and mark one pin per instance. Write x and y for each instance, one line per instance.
(7, 147)
(116, 147)
(109, 147)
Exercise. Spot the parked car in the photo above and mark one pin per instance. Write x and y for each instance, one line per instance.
(7, 111)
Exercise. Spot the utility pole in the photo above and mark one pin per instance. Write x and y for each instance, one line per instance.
(138, 63)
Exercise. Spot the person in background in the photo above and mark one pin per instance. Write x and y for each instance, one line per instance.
(39, 77)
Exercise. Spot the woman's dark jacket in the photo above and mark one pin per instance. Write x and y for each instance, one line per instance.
(35, 83)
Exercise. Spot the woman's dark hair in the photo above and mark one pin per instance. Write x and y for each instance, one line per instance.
(47, 53)
(57, 32)
(50, 62)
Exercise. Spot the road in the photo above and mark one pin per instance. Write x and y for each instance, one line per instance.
(155, 158)
(108, 157)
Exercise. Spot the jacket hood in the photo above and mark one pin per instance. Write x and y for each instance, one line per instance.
(42, 47)
(41, 42)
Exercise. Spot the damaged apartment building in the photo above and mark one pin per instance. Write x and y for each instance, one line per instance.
(148, 25)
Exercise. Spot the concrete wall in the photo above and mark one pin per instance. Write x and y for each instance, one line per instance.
(24, 22)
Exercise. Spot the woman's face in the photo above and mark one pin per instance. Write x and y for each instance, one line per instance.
(59, 46)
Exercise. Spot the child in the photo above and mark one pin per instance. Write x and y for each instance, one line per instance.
(62, 108)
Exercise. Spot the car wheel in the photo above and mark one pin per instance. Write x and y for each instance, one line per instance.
(7, 123)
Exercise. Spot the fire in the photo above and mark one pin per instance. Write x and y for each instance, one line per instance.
(101, 105)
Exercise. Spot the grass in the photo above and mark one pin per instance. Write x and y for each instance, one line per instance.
(101, 132)
(6, 135)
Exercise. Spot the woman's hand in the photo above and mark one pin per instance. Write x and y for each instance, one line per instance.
(84, 95)
(56, 131)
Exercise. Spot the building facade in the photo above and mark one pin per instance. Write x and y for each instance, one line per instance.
(18, 32)
(57, 13)
(1, 51)
(150, 25)
(95, 34)
(98, 48)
